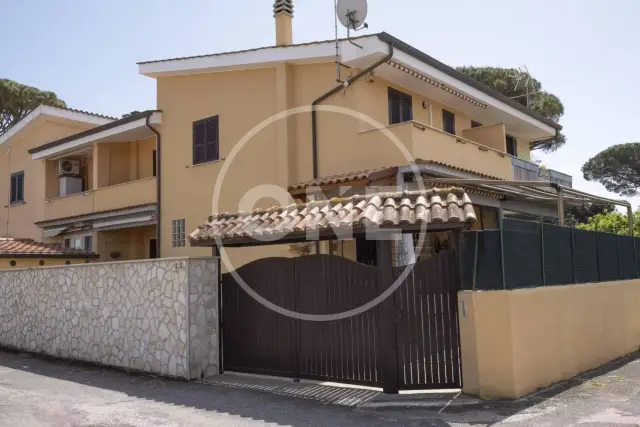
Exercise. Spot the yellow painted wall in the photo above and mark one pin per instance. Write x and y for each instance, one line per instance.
(242, 100)
(280, 154)
(493, 136)
(514, 342)
(18, 220)
(35, 262)
(524, 152)
(132, 243)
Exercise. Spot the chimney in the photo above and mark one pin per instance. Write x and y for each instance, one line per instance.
(283, 13)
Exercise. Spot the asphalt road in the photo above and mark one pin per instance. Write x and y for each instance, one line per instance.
(40, 392)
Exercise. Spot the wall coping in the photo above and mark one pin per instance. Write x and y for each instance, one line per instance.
(552, 287)
(136, 261)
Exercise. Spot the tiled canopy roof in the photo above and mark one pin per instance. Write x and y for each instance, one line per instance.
(378, 210)
(368, 174)
(374, 174)
(10, 247)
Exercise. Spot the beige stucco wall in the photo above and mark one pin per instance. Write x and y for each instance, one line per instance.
(493, 136)
(132, 243)
(18, 220)
(35, 262)
(514, 342)
(280, 154)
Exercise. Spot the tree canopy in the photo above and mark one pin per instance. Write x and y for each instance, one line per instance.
(130, 113)
(507, 82)
(581, 214)
(18, 100)
(613, 222)
(617, 168)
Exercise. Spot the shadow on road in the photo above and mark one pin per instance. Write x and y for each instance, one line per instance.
(270, 408)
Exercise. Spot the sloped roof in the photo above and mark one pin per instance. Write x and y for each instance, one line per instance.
(374, 174)
(368, 174)
(21, 248)
(47, 110)
(97, 129)
(405, 209)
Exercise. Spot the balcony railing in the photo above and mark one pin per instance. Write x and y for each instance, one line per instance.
(128, 194)
(427, 143)
(527, 171)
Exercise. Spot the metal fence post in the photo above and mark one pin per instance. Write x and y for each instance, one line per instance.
(388, 317)
(544, 275)
(573, 256)
(618, 256)
(635, 256)
(598, 251)
(475, 262)
(502, 261)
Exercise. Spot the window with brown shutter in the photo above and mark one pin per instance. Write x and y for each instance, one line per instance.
(400, 107)
(206, 140)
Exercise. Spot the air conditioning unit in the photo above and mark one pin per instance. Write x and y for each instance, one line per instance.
(68, 167)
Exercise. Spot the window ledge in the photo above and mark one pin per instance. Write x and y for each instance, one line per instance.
(10, 205)
(206, 163)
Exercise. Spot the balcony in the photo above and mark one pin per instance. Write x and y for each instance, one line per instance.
(527, 171)
(427, 143)
(424, 142)
(119, 196)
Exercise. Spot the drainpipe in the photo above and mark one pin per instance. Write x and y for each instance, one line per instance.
(314, 132)
(158, 182)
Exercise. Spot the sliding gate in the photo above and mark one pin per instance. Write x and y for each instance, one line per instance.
(257, 339)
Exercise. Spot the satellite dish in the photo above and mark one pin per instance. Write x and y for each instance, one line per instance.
(352, 13)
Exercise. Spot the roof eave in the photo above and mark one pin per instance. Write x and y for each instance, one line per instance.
(62, 113)
(38, 152)
(421, 56)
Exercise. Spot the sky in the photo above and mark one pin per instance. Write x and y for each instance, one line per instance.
(587, 52)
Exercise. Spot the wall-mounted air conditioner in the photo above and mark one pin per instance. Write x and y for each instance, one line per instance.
(68, 167)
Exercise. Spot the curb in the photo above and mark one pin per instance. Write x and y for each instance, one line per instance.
(426, 403)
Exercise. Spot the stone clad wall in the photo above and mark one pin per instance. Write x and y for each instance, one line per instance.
(133, 315)
(203, 318)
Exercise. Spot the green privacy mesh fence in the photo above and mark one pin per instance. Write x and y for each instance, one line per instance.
(535, 254)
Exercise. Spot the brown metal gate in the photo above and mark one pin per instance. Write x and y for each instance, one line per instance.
(259, 340)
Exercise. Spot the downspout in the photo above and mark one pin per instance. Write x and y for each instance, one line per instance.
(158, 183)
(347, 83)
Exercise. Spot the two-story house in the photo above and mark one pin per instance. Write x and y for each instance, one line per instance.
(82, 180)
(263, 111)
(249, 122)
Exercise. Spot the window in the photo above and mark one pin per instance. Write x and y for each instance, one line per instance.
(153, 164)
(178, 233)
(67, 243)
(205, 140)
(448, 122)
(475, 124)
(400, 107)
(88, 243)
(17, 188)
(512, 146)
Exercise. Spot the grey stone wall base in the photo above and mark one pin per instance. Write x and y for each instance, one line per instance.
(136, 316)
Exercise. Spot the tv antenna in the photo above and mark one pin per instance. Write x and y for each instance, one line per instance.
(351, 14)
(523, 79)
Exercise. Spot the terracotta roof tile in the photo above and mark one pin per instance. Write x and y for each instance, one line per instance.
(368, 174)
(27, 247)
(372, 174)
(397, 209)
